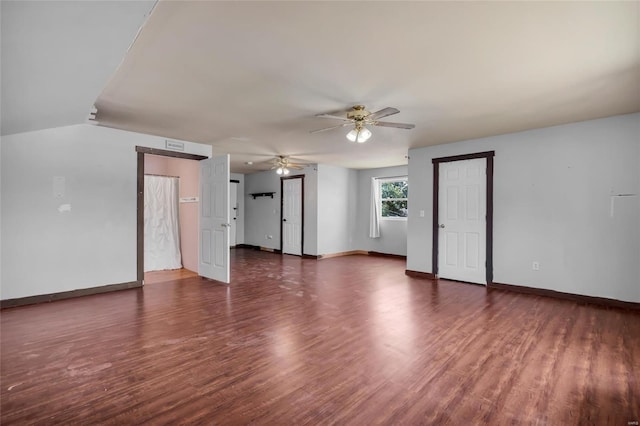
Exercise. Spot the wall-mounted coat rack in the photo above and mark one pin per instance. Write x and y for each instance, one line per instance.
(262, 194)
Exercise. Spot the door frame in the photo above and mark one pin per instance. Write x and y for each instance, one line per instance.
(234, 222)
(282, 179)
(141, 151)
(489, 217)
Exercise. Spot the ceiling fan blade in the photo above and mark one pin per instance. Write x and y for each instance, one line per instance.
(332, 127)
(284, 161)
(333, 117)
(340, 114)
(396, 125)
(382, 113)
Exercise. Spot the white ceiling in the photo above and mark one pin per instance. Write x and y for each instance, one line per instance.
(248, 77)
(58, 55)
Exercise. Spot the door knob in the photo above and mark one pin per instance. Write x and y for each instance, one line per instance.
(284, 220)
(441, 225)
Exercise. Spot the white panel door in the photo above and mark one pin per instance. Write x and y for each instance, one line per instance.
(462, 205)
(233, 213)
(292, 216)
(213, 237)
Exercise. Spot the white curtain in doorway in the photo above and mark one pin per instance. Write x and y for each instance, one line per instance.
(161, 226)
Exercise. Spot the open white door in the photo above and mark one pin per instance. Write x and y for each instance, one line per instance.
(213, 236)
(462, 220)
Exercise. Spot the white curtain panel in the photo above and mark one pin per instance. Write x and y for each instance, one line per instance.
(374, 219)
(161, 226)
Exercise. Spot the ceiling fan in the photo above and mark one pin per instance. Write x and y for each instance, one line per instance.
(283, 165)
(359, 117)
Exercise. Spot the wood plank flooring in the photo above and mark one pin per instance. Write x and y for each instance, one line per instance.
(347, 340)
(154, 277)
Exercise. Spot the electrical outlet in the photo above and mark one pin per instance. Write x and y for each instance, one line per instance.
(535, 266)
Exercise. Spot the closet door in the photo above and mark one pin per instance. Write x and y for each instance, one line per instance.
(292, 212)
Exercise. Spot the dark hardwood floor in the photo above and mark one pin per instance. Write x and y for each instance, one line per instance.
(154, 277)
(349, 340)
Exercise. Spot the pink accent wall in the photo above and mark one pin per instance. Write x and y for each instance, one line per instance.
(188, 171)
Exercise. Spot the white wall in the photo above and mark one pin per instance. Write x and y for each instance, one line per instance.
(336, 212)
(337, 201)
(393, 233)
(240, 213)
(552, 204)
(46, 249)
(262, 218)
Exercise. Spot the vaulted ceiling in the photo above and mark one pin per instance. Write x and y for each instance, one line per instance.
(249, 77)
(56, 57)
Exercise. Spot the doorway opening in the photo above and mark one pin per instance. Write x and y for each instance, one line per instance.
(141, 151)
(233, 212)
(454, 200)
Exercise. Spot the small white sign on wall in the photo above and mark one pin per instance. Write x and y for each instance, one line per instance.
(189, 199)
(174, 145)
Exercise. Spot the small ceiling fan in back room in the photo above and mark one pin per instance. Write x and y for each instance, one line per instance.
(283, 165)
(360, 119)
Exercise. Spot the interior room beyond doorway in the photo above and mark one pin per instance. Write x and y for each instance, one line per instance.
(188, 173)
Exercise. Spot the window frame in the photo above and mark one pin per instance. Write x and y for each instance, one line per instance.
(383, 180)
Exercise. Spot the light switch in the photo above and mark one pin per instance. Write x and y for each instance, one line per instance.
(59, 184)
(421, 213)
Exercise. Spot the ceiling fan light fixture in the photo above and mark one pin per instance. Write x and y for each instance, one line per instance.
(283, 165)
(282, 170)
(359, 134)
(364, 135)
(359, 117)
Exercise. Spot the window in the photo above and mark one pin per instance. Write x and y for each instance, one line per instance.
(393, 198)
